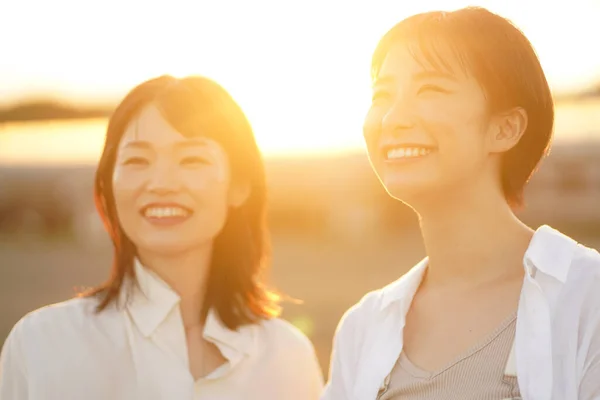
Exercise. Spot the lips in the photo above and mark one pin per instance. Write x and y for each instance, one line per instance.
(406, 152)
(165, 213)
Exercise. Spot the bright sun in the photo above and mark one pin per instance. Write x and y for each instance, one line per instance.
(299, 70)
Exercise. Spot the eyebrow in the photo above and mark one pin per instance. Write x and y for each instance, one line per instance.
(434, 75)
(192, 143)
(383, 81)
(142, 144)
(419, 76)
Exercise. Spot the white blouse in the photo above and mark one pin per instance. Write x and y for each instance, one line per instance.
(67, 352)
(556, 352)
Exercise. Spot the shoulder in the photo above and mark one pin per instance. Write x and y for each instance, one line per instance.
(49, 318)
(571, 279)
(45, 333)
(583, 281)
(584, 271)
(288, 350)
(281, 334)
(586, 261)
(579, 301)
(375, 305)
(562, 258)
(55, 326)
(360, 314)
(287, 357)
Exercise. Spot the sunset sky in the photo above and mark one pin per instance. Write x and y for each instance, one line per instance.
(298, 68)
(89, 48)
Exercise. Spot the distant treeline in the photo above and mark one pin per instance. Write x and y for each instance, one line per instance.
(593, 92)
(47, 110)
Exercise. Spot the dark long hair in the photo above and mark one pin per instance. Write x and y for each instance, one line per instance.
(199, 106)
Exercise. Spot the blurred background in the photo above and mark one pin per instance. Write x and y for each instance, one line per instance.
(300, 70)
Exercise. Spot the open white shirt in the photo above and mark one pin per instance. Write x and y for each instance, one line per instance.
(67, 352)
(557, 342)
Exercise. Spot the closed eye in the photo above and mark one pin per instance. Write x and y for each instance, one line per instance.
(136, 161)
(432, 89)
(194, 161)
(380, 95)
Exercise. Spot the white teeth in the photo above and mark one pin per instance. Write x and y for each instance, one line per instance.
(407, 152)
(164, 212)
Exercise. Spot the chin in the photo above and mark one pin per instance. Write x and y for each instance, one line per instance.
(412, 194)
(165, 247)
(408, 198)
(403, 188)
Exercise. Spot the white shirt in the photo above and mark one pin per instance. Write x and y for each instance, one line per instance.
(557, 342)
(66, 352)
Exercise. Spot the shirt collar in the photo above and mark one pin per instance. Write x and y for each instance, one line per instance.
(406, 286)
(152, 300)
(549, 251)
(240, 340)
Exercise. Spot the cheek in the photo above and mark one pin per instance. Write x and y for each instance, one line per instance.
(198, 182)
(126, 191)
(372, 127)
(210, 181)
(458, 128)
(126, 187)
(221, 167)
(209, 192)
(455, 124)
(211, 199)
(210, 196)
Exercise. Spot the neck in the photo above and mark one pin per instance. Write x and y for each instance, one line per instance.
(473, 237)
(187, 274)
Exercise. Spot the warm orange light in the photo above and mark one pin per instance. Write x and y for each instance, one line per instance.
(301, 73)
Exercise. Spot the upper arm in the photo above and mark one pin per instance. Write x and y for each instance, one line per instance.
(13, 369)
(589, 388)
(339, 365)
(312, 371)
(589, 385)
(294, 361)
(344, 355)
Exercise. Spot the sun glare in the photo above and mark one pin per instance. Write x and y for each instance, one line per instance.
(301, 73)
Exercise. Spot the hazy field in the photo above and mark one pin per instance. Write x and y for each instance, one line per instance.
(328, 274)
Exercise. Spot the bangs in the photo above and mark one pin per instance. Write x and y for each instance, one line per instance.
(433, 42)
(199, 107)
(195, 113)
(195, 107)
(439, 53)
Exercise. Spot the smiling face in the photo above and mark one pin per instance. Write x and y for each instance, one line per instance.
(171, 192)
(427, 129)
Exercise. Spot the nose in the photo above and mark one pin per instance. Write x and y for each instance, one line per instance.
(164, 179)
(399, 117)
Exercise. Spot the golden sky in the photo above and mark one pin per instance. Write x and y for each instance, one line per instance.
(82, 48)
(299, 69)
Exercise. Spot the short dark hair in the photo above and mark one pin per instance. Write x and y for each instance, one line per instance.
(505, 64)
(199, 106)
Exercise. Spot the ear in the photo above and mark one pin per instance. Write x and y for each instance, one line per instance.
(507, 130)
(238, 193)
